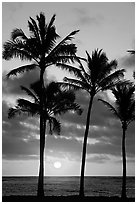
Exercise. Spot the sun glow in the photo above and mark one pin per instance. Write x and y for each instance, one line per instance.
(57, 165)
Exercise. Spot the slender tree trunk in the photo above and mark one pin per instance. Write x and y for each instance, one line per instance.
(124, 164)
(40, 192)
(81, 192)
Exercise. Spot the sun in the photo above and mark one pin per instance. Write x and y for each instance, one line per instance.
(57, 164)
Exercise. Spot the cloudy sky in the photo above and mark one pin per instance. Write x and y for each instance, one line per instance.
(107, 26)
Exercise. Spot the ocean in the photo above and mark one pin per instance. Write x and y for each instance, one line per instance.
(64, 186)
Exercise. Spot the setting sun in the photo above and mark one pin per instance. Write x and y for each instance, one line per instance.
(57, 165)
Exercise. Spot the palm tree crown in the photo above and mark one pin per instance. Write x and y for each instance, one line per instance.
(96, 76)
(124, 108)
(41, 47)
(56, 102)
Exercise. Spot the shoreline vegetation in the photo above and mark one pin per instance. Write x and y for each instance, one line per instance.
(72, 198)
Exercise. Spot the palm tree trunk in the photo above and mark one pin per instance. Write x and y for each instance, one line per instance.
(40, 192)
(81, 192)
(124, 164)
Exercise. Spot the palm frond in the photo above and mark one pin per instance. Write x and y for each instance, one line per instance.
(18, 33)
(23, 106)
(65, 53)
(16, 49)
(67, 106)
(79, 83)
(125, 102)
(62, 59)
(111, 80)
(55, 125)
(76, 71)
(109, 67)
(52, 90)
(13, 112)
(21, 69)
(68, 86)
(52, 21)
(110, 107)
(30, 93)
(60, 45)
(50, 39)
(131, 112)
(42, 26)
(36, 87)
(61, 101)
(98, 66)
(27, 106)
(75, 107)
(34, 29)
(85, 74)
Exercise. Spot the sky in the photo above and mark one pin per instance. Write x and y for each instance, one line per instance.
(108, 26)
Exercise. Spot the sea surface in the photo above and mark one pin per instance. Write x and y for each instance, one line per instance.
(63, 186)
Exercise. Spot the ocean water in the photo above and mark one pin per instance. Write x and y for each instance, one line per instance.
(63, 186)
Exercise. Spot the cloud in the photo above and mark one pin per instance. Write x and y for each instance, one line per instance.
(85, 18)
(18, 141)
(127, 61)
(98, 158)
(21, 135)
(11, 90)
(99, 111)
(12, 85)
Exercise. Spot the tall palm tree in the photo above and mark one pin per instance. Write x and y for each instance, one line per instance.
(42, 49)
(124, 110)
(99, 75)
(55, 102)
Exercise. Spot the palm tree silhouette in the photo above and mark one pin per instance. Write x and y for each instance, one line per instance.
(124, 110)
(42, 50)
(96, 77)
(55, 103)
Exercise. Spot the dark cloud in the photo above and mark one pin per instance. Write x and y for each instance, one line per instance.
(19, 149)
(12, 85)
(99, 111)
(21, 134)
(18, 139)
(72, 148)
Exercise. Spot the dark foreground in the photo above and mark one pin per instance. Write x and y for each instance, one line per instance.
(65, 199)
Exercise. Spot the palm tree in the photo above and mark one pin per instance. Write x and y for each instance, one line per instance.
(124, 110)
(96, 77)
(42, 50)
(56, 102)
